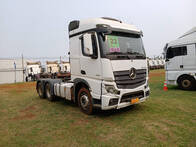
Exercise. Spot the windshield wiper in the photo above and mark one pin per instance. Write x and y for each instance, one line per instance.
(114, 53)
(133, 53)
(119, 55)
(141, 56)
(136, 54)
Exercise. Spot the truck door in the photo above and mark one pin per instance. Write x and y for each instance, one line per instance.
(174, 59)
(90, 63)
(189, 60)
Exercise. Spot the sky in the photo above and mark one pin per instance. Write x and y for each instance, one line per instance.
(39, 28)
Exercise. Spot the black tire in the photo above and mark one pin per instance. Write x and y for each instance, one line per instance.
(26, 79)
(49, 96)
(186, 83)
(40, 91)
(85, 101)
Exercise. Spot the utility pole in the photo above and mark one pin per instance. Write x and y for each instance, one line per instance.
(60, 65)
(22, 68)
(14, 72)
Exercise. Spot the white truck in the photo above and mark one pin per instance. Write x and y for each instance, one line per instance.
(52, 66)
(152, 64)
(64, 66)
(181, 61)
(33, 69)
(108, 66)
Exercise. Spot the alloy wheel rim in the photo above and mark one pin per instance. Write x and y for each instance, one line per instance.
(186, 83)
(84, 101)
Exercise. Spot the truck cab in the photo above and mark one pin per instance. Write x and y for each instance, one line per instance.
(108, 65)
(33, 69)
(181, 61)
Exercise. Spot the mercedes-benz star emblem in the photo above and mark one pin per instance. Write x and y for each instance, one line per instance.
(132, 73)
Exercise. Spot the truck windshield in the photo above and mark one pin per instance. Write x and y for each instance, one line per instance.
(122, 45)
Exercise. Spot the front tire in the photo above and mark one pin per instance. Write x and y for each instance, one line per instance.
(186, 83)
(85, 101)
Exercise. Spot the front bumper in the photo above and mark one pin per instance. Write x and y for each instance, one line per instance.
(124, 99)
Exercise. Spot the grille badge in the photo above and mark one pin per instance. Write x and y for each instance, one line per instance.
(132, 73)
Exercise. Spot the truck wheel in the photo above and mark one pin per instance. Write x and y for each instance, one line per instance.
(186, 83)
(85, 101)
(40, 91)
(48, 93)
(26, 79)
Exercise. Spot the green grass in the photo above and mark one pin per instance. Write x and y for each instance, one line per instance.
(167, 118)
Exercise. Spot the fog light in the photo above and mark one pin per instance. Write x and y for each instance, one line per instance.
(147, 93)
(113, 102)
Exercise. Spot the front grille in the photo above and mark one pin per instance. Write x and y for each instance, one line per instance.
(123, 81)
(129, 96)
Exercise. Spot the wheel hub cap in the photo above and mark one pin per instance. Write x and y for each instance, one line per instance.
(84, 101)
(186, 83)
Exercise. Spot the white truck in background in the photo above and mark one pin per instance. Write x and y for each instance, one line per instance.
(108, 66)
(33, 69)
(65, 66)
(156, 63)
(181, 61)
(52, 67)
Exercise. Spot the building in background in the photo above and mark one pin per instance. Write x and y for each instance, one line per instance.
(12, 70)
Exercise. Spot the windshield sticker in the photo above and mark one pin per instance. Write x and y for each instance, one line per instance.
(113, 43)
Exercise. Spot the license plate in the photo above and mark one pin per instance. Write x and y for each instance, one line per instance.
(134, 100)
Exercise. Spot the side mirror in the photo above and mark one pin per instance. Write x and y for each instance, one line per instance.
(89, 45)
(87, 41)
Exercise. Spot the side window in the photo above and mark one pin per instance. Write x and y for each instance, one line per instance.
(169, 54)
(184, 50)
(176, 51)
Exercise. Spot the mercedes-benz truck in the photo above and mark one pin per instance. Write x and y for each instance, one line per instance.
(108, 66)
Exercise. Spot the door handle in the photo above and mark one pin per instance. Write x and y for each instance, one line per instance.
(83, 72)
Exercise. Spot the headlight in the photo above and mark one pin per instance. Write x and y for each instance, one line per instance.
(111, 89)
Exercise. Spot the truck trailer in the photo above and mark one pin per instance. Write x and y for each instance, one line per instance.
(181, 61)
(108, 66)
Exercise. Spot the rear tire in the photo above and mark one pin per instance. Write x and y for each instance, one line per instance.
(186, 83)
(49, 96)
(85, 101)
(40, 91)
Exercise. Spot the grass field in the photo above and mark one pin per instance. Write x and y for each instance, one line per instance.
(166, 119)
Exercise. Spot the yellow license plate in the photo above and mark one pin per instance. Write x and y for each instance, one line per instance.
(135, 100)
